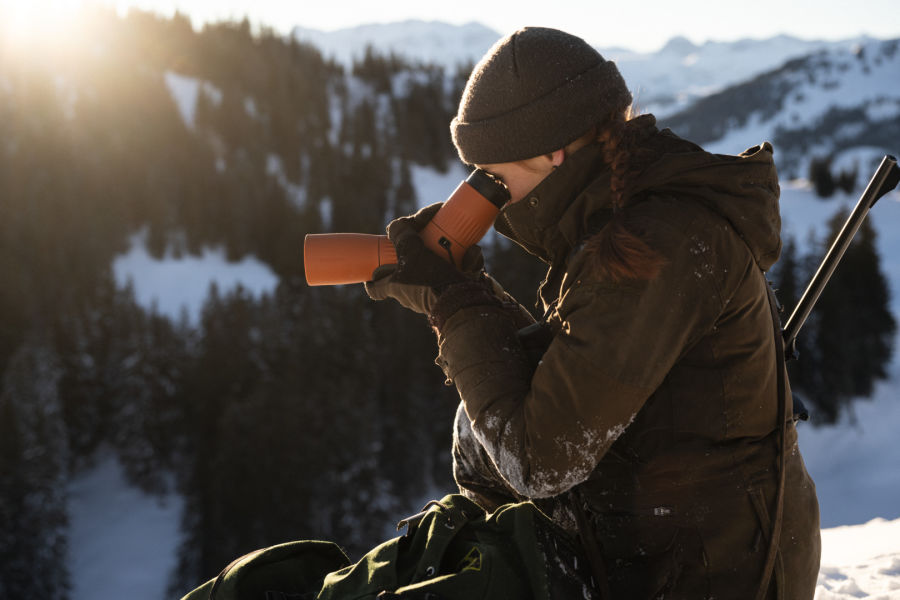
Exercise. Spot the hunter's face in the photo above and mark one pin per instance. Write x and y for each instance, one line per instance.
(521, 176)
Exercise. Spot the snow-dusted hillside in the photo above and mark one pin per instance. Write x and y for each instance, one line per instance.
(177, 286)
(122, 542)
(861, 561)
(812, 98)
(663, 82)
(670, 79)
(420, 41)
(824, 104)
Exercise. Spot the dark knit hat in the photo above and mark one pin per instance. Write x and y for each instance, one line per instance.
(534, 91)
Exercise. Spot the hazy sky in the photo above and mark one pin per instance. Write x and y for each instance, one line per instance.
(642, 25)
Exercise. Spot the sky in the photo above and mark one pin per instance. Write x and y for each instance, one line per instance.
(644, 26)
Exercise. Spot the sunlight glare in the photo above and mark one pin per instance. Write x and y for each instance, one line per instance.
(40, 24)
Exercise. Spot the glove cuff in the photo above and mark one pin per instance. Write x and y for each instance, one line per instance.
(458, 296)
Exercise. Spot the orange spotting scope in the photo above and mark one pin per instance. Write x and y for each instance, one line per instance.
(468, 214)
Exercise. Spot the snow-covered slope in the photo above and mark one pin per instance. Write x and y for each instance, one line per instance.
(862, 561)
(827, 103)
(178, 286)
(813, 98)
(420, 41)
(122, 542)
(670, 79)
(663, 82)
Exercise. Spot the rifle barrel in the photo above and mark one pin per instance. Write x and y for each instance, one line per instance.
(883, 181)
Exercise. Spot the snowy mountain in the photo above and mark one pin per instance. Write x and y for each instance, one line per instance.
(663, 82)
(838, 100)
(811, 98)
(421, 41)
(826, 104)
(681, 72)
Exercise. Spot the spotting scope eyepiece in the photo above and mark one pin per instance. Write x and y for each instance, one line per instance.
(468, 214)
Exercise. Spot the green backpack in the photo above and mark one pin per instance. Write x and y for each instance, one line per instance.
(452, 550)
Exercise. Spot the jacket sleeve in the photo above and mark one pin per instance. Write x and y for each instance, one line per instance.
(474, 471)
(546, 428)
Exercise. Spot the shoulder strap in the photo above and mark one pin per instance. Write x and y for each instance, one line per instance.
(775, 537)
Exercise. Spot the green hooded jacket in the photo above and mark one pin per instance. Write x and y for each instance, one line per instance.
(655, 401)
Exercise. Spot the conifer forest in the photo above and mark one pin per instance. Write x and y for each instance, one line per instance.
(308, 413)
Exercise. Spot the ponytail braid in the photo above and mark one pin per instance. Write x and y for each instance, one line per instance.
(618, 253)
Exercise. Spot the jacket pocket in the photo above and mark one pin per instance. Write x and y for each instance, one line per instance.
(652, 556)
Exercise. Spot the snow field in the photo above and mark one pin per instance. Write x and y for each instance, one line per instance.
(122, 542)
(860, 561)
(175, 286)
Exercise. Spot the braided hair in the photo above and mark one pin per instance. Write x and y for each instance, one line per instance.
(620, 253)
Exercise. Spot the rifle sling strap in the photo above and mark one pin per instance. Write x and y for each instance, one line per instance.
(775, 537)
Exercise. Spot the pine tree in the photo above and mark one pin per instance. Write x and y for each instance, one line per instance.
(33, 469)
(846, 179)
(848, 340)
(820, 175)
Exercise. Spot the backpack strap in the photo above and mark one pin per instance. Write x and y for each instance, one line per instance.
(221, 577)
(288, 571)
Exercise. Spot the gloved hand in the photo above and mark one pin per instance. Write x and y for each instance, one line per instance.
(419, 275)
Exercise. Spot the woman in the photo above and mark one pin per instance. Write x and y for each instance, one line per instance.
(654, 418)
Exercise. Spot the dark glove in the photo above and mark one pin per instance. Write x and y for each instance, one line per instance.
(419, 275)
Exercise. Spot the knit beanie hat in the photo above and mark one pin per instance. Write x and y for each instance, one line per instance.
(534, 91)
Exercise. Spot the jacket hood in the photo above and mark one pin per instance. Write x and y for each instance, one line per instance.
(575, 198)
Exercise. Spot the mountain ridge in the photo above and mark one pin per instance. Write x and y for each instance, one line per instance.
(664, 81)
(821, 105)
(725, 94)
